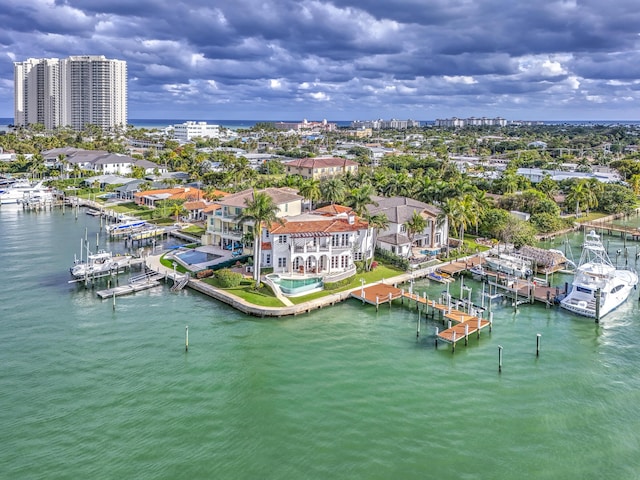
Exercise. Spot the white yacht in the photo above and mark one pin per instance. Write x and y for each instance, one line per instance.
(596, 273)
(18, 191)
(99, 264)
(125, 227)
(509, 265)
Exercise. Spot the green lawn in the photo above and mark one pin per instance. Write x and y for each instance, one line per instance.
(263, 297)
(381, 272)
(194, 230)
(169, 264)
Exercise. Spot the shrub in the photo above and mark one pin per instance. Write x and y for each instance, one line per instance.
(389, 258)
(204, 273)
(228, 279)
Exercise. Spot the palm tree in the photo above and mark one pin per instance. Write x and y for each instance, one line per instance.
(359, 198)
(262, 211)
(310, 190)
(333, 190)
(456, 212)
(416, 224)
(578, 195)
(377, 222)
(177, 209)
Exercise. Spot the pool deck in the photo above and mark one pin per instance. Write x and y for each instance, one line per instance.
(383, 287)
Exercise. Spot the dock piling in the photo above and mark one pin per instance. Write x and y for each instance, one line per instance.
(499, 358)
(186, 338)
(537, 345)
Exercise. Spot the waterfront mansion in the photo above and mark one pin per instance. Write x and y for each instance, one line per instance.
(325, 241)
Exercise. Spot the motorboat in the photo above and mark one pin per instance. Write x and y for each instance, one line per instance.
(509, 265)
(598, 287)
(99, 263)
(21, 190)
(125, 227)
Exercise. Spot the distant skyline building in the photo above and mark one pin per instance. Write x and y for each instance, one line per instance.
(456, 122)
(385, 124)
(186, 131)
(74, 92)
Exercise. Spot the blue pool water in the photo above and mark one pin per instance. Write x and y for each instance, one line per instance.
(294, 286)
(194, 256)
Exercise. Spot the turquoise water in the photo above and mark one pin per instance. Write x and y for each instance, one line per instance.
(293, 286)
(345, 392)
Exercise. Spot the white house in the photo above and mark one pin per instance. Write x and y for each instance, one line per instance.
(327, 241)
(187, 131)
(99, 162)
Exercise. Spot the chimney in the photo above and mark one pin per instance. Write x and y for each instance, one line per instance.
(352, 219)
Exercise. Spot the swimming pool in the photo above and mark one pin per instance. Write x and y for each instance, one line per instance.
(192, 257)
(295, 286)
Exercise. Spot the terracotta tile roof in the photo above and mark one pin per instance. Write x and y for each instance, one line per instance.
(212, 207)
(333, 209)
(180, 193)
(195, 205)
(317, 227)
(265, 246)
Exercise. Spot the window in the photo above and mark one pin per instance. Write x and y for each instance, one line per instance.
(267, 259)
(403, 228)
(282, 239)
(282, 262)
(357, 256)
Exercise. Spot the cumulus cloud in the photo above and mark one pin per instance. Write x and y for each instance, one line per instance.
(342, 59)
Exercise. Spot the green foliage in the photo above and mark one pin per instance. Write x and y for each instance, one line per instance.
(392, 259)
(227, 278)
(531, 201)
(616, 199)
(548, 222)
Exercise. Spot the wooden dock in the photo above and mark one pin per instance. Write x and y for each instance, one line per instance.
(136, 284)
(612, 228)
(465, 323)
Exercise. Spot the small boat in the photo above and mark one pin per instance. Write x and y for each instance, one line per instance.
(440, 277)
(509, 265)
(92, 212)
(99, 263)
(21, 190)
(125, 227)
(598, 287)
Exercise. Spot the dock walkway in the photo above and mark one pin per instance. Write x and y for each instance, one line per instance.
(465, 323)
(136, 284)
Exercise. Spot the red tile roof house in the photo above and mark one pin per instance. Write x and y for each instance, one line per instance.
(327, 242)
(150, 197)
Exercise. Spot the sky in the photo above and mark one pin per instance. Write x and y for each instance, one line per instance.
(345, 59)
